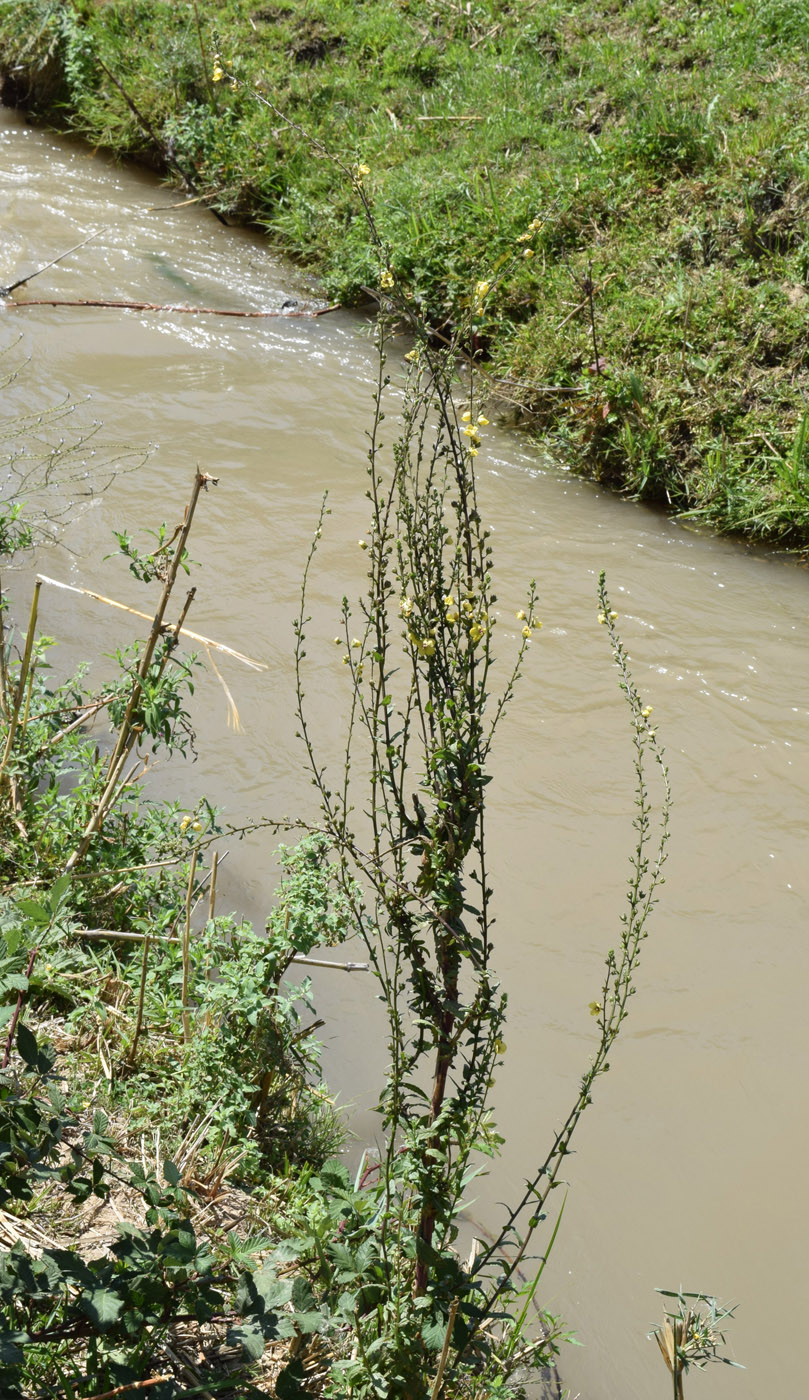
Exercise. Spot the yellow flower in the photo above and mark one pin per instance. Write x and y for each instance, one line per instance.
(473, 451)
(428, 648)
(337, 641)
(613, 616)
(452, 615)
(218, 72)
(413, 639)
(346, 659)
(355, 642)
(526, 631)
(646, 711)
(528, 252)
(359, 672)
(602, 617)
(386, 281)
(449, 601)
(412, 356)
(185, 823)
(363, 544)
(524, 237)
(466, 417)
(405, 606)
(197, 826)
(484, 422)
(500, 1047)
(362, 170)
(475, 632)
(471, 431)
(520, 616)
(481, 289)
(595, 1008)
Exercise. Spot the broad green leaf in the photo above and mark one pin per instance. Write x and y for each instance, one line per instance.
(34, 912)
(27, 1045)
(102, 1307)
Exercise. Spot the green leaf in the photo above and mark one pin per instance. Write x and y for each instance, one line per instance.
(433, 1333)
(102, 1307)
(171, 1174)
(27, 1046)
(10, 1353)
(34, 912)
(58, 892)
(249, 1336)
(290, 1384)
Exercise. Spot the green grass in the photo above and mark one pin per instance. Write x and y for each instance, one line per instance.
(665, 146)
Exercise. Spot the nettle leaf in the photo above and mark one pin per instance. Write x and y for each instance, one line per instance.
(27, 1046)
(433, 1333)
(250, 1337)
(35, 912)
(290, 1384)
(334, 1174)
(102, 1307)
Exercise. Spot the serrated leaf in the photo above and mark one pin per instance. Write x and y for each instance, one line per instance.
(27, 1045)
(290, 1384)
(102, 1307)
(249, 1336)
(34, 912)
(58, 892)
(433, 1333)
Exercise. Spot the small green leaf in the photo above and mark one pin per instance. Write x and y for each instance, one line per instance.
(27, 1046)
(34, 912)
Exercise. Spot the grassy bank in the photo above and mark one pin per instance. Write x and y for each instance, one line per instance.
(658, 330)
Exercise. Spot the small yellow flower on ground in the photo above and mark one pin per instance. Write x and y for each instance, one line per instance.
(363, 170)
(528, 252)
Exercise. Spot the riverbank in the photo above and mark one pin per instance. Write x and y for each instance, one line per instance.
(654, 325)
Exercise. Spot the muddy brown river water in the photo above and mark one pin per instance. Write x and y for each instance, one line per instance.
(690, 1167)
